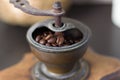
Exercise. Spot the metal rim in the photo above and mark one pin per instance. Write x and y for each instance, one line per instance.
(83, 28)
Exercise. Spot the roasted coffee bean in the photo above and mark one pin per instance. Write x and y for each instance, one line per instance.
(65, 44)
(49, 32)
(76, 41)
(54, 45)
(52, 40)
(68, 42)
(71, 41)
(65, 41)
(37, 38)
(58, 33)
(48, 36)
(60, 40)
(47, 44)
(42, 41)
(56, 39)
(45, 34)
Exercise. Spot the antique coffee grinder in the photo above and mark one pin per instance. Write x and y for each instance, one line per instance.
(58, 43)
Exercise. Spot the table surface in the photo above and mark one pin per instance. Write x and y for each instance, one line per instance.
(105, 36)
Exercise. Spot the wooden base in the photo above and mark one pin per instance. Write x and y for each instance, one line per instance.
(100, 66)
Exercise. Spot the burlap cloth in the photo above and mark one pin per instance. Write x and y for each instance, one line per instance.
(100, 66)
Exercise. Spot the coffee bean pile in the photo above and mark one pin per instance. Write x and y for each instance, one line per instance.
(54, 39)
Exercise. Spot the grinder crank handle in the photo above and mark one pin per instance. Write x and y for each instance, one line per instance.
(25, 7)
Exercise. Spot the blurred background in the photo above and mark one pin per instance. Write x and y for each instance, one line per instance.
(92, 1)
(96, 14)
